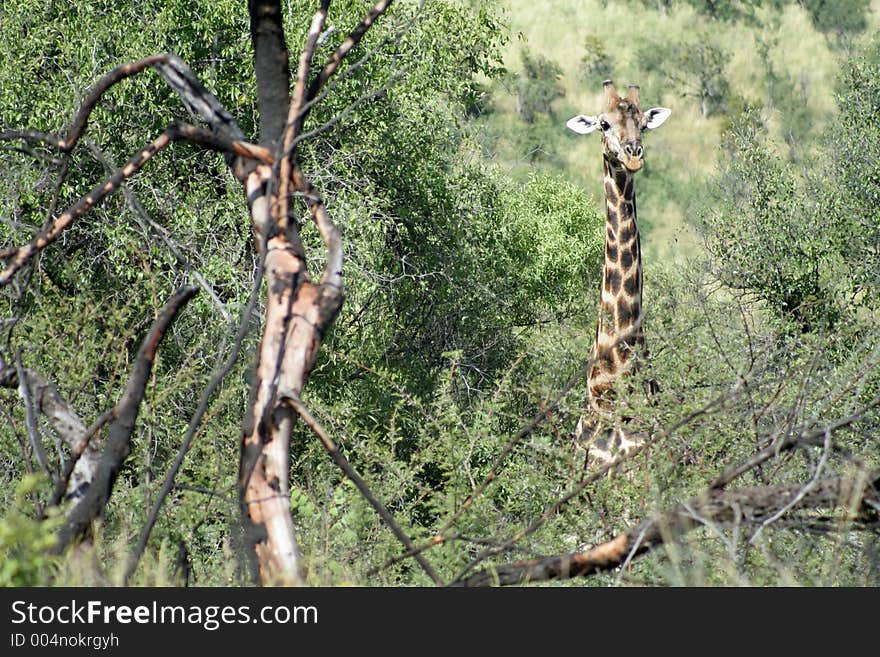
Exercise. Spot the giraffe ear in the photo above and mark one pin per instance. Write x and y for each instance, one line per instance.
(583, 125)
(656, 116)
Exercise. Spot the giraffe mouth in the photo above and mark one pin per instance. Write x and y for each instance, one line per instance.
(632, 164)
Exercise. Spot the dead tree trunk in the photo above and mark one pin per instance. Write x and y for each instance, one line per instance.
(299, 311)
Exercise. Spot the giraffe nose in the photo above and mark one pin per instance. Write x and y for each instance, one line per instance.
(632, 149)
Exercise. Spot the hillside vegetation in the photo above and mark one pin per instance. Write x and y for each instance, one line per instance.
(473, 226)
(772, 57)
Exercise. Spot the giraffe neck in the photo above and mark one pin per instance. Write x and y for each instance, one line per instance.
(619, 331)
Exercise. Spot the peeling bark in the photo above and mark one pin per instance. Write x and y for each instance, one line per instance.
(66, 424)
(299, 311)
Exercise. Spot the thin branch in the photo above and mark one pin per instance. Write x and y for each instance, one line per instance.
(521, 435)
(117, 75)
(33, 136)
(802, 493)
(369, 95)
(30, 419)
(346, 46)
(358, 481)
(286, 155)
(34, 154)
(351, 68)
(332, 275)
(296, 114)
(174, 131)
(195, 421)
(609, 467)
(784, 443)
(146, 223)
(63, 484)
(24, 254)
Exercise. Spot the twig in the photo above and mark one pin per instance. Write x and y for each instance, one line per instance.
(175, 131)
(146, 222)
(78, 450)
(346, 46)
(117, 75)
(83, 205)
(784, 443)
(810, 485)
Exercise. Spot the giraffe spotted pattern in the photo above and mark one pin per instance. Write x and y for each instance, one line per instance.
(620, 336)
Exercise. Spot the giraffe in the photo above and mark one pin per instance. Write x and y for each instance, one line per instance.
(619, 332)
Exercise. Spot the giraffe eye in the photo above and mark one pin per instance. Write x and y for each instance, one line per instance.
(604, 125)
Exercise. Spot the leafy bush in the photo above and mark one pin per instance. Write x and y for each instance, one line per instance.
(838, 16)
(537, 86)
(761, 232)
(762, 229)
(25, 540)
(597, 63)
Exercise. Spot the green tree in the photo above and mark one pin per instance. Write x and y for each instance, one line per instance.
(537, 86)
(852, 180)
(838, 16)
(597, 63)
(694, 67)
(761, 231)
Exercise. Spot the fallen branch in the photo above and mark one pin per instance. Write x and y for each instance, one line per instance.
(857, 496)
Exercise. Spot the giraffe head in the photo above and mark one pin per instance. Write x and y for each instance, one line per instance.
(622, 125)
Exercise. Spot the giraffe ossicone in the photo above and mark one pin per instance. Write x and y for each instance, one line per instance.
(619, 331)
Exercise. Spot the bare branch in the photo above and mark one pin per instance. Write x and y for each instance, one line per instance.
(174, 131)
(295, 114)
(331, 278)
(33, 136)
(145, 221)
(118, 443)
(30, 418)
(785, 443)
(802, 493)
(217, 378)
(198, 100)
(77, 485)
(117, 75)
(346, 46)
(223, 144)
(23, 255)
(286, 155)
